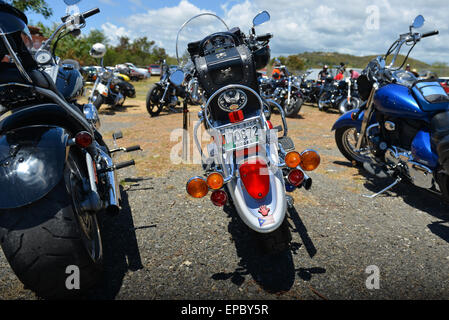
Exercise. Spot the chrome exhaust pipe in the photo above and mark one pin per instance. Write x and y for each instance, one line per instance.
(113, 201)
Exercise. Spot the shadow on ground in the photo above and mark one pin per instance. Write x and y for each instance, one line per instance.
(121, 251)
(414, 196)
(273, 273)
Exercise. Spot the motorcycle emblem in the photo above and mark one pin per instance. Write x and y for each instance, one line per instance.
(264, 210)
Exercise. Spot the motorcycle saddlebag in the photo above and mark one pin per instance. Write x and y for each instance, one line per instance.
(231, 66)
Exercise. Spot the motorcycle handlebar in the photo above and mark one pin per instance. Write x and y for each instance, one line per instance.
(264, 37)
(84, 15)
(429, 34)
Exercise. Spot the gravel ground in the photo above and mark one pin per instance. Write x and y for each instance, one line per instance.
(165, 245)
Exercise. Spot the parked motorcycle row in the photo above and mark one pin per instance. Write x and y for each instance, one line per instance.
(57, 174)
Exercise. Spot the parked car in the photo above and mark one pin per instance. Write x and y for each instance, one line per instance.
(138, 72)
(155, 70)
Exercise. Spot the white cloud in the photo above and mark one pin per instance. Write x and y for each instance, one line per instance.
(303, 25)
(113, 33)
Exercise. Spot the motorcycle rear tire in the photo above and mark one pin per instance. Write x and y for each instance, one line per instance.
(153, 105)
(42, 239)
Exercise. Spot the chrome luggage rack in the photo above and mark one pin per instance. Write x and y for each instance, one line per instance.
(217, 131)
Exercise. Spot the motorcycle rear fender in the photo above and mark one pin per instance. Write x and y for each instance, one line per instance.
(32, 163)
(248, 207)
(346, 120)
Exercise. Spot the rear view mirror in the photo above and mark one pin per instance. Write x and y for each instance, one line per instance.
(418, 22)
(262, 17)
(71, 2)
(177, 77)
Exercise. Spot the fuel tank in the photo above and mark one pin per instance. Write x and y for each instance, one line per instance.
(398, 101)
(70, 82)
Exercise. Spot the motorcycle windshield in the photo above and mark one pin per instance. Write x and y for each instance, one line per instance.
(194, 30)
(9, 23)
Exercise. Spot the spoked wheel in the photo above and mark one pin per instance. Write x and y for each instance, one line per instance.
(154, 106)
(345, 105)
(88, 223)
(346, 139)
(324, 102)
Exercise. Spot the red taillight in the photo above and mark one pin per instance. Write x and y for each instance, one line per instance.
(270, 125)
(83, 139)
(219, 198)
(236, 116)
(255, 178)
(295, 177)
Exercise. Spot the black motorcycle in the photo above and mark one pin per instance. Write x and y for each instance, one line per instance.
(163, 94)
(341, 95)
(286, 91)
(56, 172)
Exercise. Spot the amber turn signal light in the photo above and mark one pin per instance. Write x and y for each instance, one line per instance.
(197, 187)
(292, 159)
(215, 181)
(310, 160)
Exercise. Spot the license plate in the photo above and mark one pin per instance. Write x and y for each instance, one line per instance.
(240, 136)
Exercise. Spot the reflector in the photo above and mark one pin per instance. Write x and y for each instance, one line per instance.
(295, 177)
(215, 181)
(197, 187)
(83, 139)
(292, 159)
(310, 160)
(219, 198)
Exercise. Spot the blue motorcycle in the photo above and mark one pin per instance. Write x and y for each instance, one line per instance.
(402, 130)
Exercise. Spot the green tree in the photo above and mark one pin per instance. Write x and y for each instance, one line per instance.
(38, 6)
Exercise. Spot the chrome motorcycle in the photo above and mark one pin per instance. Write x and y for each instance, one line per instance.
(286, 91)
(56, 172)
(110, 89)
(246, 164)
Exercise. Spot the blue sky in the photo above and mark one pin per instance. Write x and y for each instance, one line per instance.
(116, 11)
(362, 27)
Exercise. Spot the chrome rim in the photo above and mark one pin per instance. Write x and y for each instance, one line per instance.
(350, 138)
(87, 222)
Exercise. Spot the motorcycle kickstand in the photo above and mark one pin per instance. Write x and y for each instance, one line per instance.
(398, 179)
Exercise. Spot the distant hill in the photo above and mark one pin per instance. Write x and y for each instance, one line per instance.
(318, 59)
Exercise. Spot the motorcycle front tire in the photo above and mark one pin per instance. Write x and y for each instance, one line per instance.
(98, 101)
(153, 97)
(44, 243)
(293, 110)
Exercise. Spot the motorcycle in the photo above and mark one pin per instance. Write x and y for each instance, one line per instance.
(56, 172)
(163, 94)
(286, 91)
(246, 165)
(402, 129)
(341, 95)
(110, 88)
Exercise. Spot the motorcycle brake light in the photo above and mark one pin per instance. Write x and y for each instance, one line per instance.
(219, 198)
(255, 178)
(236, 116)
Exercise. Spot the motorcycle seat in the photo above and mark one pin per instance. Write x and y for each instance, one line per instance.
(43, 114)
